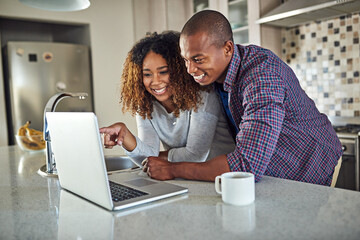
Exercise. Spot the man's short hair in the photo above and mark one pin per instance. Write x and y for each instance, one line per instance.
(211, 22)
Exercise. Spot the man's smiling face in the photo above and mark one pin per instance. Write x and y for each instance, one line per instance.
(205, 61)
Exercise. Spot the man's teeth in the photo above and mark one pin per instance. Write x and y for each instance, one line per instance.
(199, 77)
(159, 90)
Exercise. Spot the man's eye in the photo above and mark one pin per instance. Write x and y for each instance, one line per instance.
(198, 60)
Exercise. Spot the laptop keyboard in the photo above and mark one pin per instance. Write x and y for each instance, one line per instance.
(121, 193)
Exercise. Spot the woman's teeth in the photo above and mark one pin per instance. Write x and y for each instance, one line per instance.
(197, 78)
(159, 91)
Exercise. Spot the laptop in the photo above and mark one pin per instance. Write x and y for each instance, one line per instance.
(80, 162)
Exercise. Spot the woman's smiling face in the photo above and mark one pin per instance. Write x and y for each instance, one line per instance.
(156, 78)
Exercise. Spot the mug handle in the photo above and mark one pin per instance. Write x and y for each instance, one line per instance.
(217, 185)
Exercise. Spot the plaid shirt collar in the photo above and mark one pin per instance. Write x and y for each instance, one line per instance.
(232, 71)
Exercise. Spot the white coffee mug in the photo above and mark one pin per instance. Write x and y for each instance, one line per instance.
(236, 188)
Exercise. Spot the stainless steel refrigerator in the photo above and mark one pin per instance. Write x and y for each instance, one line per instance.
(35, 71)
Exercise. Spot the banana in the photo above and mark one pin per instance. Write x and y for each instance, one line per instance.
(22, 129)
(31, 131)
(31, 138)
(33, 135)
(32, 145)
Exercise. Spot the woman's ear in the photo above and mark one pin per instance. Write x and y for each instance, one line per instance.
(229, 48)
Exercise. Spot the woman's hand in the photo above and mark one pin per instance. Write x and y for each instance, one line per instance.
(118, 134)
(158, 168)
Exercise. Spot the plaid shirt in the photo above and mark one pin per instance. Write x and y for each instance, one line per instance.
(281, 132)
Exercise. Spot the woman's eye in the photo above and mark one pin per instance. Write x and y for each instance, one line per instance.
(164, 72)
(197, 60)
(147, 74)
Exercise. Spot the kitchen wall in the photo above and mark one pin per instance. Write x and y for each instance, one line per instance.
(111, 36)
(270, 35)
(326, 58)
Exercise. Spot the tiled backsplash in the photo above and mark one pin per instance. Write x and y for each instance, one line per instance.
(325, 56)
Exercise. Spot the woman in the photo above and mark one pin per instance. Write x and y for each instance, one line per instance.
(170, 107)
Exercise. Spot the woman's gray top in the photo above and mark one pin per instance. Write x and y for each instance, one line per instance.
(192, 137)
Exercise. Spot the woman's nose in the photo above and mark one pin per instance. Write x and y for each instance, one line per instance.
(156, 78)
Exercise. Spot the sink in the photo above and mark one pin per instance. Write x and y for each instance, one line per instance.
(113, 164)
(116, 163)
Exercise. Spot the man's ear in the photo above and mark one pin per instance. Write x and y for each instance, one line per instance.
(229, 48)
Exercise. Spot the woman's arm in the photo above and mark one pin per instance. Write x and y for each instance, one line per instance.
(147, 142)
(201, 134)
(202, 128)
(206, 171)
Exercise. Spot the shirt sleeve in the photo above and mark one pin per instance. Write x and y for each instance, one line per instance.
(202, 130)
(147, 142)
(262, 103)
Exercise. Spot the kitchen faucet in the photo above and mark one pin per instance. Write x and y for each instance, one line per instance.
(49, 169)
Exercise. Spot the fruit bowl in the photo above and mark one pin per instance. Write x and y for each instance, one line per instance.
(33, 143)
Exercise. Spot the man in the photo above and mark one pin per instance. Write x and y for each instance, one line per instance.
(277, 128)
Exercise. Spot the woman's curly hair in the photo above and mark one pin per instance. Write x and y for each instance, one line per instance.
(185, 91)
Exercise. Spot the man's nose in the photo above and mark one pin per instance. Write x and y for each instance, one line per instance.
(191, 67)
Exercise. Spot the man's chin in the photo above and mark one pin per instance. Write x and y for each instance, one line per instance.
(204, 82)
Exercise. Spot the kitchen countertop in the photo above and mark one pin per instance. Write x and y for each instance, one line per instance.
(33, 207)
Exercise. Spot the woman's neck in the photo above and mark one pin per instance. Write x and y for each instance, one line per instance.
(168, 105)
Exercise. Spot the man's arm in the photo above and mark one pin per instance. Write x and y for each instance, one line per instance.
(205, 171)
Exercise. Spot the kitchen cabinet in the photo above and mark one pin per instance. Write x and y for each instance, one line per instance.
(159, 15)
(241, 14)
